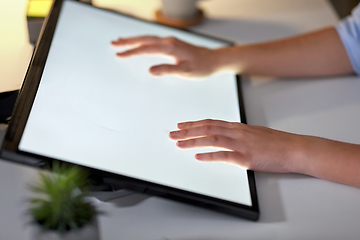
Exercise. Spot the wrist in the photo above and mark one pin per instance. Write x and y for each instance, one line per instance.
(225, 60)
(298, 155)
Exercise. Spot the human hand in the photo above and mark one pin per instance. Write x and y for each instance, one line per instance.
(190, 61)
(250, 147)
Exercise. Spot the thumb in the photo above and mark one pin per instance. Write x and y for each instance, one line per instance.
(168, 69)
(230, 157)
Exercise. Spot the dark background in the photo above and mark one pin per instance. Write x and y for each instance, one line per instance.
(343, 7)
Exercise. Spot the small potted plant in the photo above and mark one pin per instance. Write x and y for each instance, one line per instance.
(60, 209)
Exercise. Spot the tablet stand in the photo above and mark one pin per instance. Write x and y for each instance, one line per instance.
(105, 196)
(108, 190)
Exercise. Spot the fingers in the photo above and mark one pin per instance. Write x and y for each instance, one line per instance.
(206, 133)
(165, 69)
(141, 40)
(179, 69)
(212, 133)
(209, 122)
(204, 130)
(223, 156)
(146, 49)
(208, 141)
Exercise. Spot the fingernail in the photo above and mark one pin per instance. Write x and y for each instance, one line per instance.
(155, 71)
(180, 125)
(180, 143)
(198, 156)
(173, 134)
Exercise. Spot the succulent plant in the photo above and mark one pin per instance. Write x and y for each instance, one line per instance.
(60, 204)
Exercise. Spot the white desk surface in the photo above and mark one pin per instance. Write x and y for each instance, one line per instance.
(292, 206)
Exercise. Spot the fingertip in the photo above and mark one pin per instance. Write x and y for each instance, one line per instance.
(115, 42)
(199, 157)
(164, 69)
(180, 144)
(180, 125)
(172, 135)
(120, 54)
(155, 71)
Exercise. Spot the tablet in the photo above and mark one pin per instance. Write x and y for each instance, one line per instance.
(81, 104)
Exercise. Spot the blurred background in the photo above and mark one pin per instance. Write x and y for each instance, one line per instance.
(38, 9)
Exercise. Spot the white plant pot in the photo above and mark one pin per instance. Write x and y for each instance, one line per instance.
(179, 9)
(88, 232)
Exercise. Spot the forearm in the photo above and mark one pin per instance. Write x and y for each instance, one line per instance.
(328, 159)
(319, 53)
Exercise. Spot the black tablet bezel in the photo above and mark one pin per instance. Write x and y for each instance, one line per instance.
(23, 107)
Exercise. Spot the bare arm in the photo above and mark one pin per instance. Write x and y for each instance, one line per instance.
(264, 149)
(314, 54)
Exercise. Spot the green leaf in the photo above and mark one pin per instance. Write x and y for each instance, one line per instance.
(60, 204)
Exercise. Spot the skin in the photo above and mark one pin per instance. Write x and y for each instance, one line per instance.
(319, 53)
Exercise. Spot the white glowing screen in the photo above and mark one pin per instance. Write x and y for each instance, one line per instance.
(100, 111)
